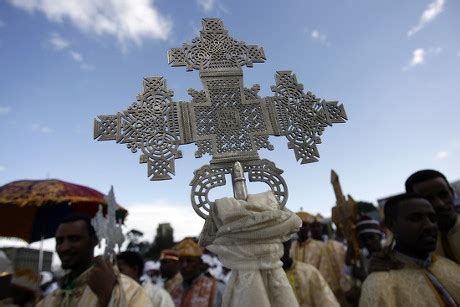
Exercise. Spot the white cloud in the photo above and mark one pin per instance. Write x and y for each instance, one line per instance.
(212, 5)
(206, 5)
(318, 36)
(441, 155)
(2, 168)
(57, 42)
(458, 53)
(146, 217)
(5, 110)
(41, 128)
(76, 56)
(428, 15)
(418, 57)
(128, 21)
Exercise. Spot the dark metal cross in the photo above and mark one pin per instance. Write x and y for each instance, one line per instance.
(226, 120)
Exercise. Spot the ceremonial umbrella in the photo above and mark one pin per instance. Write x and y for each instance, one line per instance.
(32, 209)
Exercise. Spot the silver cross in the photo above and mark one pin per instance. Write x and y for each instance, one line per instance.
(225, 120)
(108, 228)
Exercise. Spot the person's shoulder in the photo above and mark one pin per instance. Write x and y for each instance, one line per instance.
(128, 280)
(129, 285)
(336, 244)
(439, 262)
(157, 289)
(134, 292)
(375, 280)
(376, 289)
(313, 242)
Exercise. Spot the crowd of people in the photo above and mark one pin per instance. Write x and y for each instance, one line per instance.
(409, 258)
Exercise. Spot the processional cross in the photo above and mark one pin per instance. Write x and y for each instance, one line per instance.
(344, 216)
(225, 120)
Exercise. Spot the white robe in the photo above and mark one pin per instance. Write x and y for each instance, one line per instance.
(159, 296)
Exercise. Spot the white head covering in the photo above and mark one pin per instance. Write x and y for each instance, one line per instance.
(151, 266)
(208, 259)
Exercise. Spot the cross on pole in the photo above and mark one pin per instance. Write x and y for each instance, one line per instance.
(225, 120)
(344, 215)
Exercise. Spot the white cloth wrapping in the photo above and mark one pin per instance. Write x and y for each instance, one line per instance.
(247, 236)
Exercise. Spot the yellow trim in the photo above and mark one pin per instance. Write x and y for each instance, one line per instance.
(40, 201)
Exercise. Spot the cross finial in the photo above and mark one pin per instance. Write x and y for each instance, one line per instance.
(108, 228)
(225, 120)
(214, 50)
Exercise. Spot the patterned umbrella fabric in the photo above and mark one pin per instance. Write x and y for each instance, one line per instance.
(32, 209)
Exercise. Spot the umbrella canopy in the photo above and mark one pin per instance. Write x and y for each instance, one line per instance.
(32, 209)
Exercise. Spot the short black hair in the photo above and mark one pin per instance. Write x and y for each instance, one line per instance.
(132, 259)
(73, 217)
(423, 175)
(391, 208)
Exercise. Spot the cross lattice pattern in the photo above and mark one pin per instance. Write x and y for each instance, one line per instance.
(225, 120)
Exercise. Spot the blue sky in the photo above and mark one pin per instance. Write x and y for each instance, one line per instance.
(393, 64)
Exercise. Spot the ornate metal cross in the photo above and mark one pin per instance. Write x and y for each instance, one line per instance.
(226, 120)
(107, 227)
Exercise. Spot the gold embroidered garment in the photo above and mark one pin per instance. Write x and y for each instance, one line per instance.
(410, 286)
(309, 286)
(328, 258)
(201, 293)
(452, 240)
(126, 292)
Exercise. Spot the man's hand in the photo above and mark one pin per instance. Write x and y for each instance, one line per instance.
(102, 280)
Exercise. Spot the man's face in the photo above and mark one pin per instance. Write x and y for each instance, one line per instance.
(441, 196)
(74, 245)
(316, 229)
(169, 268)
(128, 270)
(371, 241)
(415, 227)
(153, 273)
(190, 267)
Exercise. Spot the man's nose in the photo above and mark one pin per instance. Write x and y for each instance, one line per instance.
(429, 225)
(63, 246)
(437, 202)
